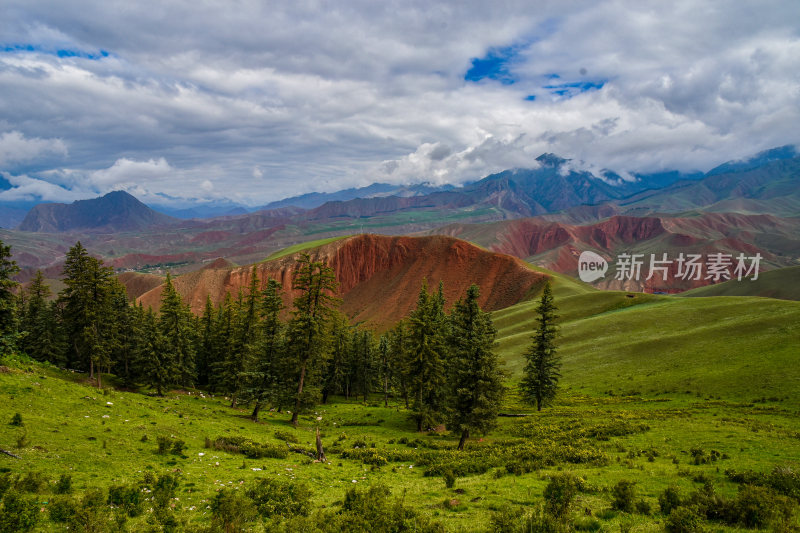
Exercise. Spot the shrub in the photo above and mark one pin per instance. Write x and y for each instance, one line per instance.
(449, 479)
(164, 489)
(127, 498)
(16, 420)
(273, 497)
(758, 507)
(231, 510)
(164, 444)
(669, 499)
(251, 449)
(643, 507)
(373, 510)
(18, 513)
(178, 446)
(683, 520)
(91, 514)
(33, 482)
(559, 494)
(62, 509)
(624, 494)
(64, 484)
(287, 437)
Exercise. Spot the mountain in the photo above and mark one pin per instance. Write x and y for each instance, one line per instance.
(316, 199)
(763, 185)
(782, 283)
(557, 245)
(379, 276)
(116, 211)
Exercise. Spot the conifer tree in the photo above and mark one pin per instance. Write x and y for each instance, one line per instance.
(426, 353)
(541, 373)
(176, 327)
(36, 320)
(385, 369)
(475, 381)
(85, 302)
(155, 361)
(336, 376)
(206, 343)
(316, 284)
(264, 381)
(8, 312)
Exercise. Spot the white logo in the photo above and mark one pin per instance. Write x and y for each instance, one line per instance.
(591, 267)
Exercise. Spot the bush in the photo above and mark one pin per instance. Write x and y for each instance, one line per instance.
(287, 437)
(559, 494)
(127, 498)
(683, 520)
(64, 484)
(449, 479)
(92, 514)
(164, 444)
(373, 510)
(643, 507)
(18, 513)
(164, 490)
(510, 520)
(251, 449)
(758, 507)
(178, 446)
(232, 510)
(624, 494)
(34, 482)
(669, 499)
(16, 420)
(280, 498)
(62, 509)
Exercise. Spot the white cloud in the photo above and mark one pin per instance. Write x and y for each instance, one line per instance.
(16, 148)
(300, 97)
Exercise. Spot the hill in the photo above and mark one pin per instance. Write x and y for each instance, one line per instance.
(557, 245)
(116, 211)
(739, 348)
(783, 284)
(379, 276)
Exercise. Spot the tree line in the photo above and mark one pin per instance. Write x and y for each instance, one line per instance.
(441, 366)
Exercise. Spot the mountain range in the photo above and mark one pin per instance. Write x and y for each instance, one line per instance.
(545, 215)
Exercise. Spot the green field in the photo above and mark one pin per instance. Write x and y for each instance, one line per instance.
(661, 391)
(782, 283)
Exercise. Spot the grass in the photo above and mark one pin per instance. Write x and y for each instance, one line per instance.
(308, 245)
(782, 283)
(648, 381)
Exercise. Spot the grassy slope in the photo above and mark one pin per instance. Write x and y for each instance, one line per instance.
(737, 347)
(303, 246)
(782, 283)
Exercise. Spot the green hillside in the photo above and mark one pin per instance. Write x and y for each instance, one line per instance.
(782, 283)
(739, 348)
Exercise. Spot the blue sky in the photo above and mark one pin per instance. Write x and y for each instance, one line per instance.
(254, 103)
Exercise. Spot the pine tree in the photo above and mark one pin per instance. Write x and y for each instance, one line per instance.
(155, 361)
(386, 369)
(86, 303)
(475, 381)
(315, 282)
(176, 326)
(400, 357)
(34, 314)
(206, 341)
(426, 353)
(542, 367)
(8, 312)
(264, 381)
(336, 376)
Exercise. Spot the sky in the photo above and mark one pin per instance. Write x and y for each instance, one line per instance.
(253, 101)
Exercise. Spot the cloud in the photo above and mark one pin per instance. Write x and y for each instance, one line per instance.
(15, 148)
(160, 98)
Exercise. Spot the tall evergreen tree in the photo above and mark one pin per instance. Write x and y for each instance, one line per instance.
(385, 369)
(542, 367)
(206, 343)
(336, 377)
(156, 363)
(86, 303)
(475, 381)
(316, 284)
(8, 312)
(36, 320)
(264, 382)
(177, 328)
(426, 354)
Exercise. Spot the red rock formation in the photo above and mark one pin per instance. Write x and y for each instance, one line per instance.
(379, 276)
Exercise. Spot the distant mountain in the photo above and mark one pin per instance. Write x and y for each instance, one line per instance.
(116, 211)
(762, 185)
(376, 190)
(554, 186)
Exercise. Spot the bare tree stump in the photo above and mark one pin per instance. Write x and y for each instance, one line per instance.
(320, 451)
